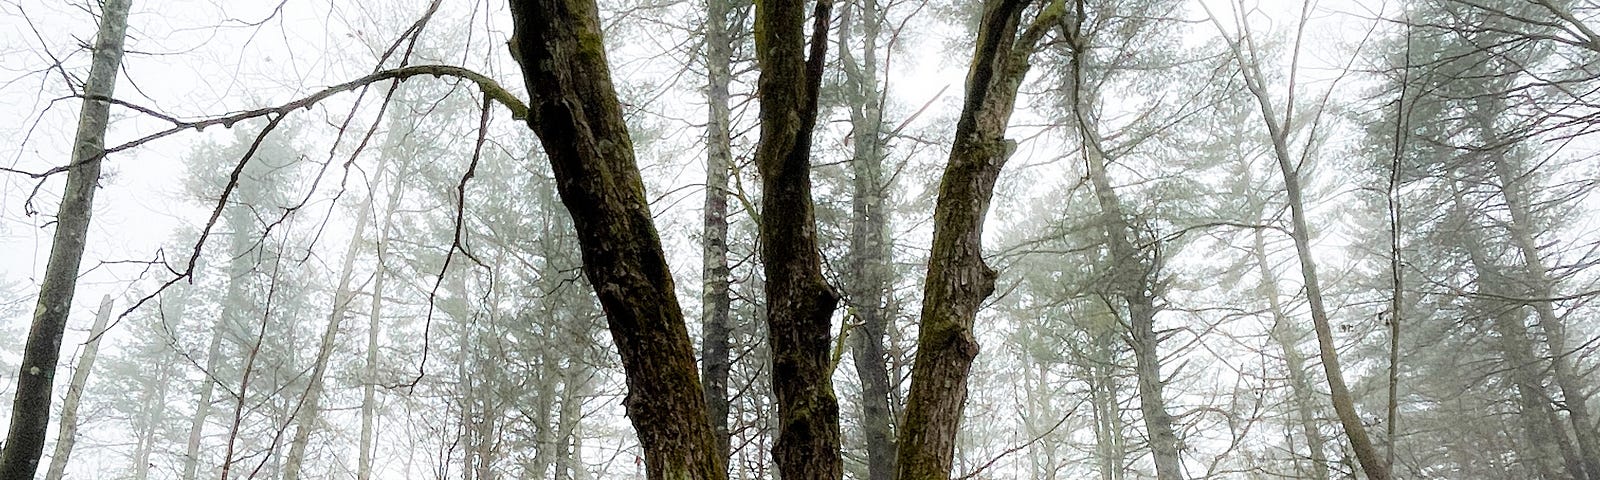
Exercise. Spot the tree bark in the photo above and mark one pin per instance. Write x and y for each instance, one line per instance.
(716, 301)
(800, 303)
(30, 410)
(958, 279)
(870, 282)
(67, 434)
(576, 115)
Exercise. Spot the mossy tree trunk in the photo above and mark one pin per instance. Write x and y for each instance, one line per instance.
(800, 303)
(578, 118)
(958, 279)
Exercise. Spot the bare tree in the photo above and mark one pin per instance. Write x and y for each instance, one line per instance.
(869, 284)
(1247, 56)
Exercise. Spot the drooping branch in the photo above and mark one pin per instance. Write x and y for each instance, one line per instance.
(490, 88)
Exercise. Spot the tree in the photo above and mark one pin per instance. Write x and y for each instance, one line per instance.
(958, 280)
(1134, 282)
(800, 302)
(576, 114)
(30, 411)
(1279, 130)
(715, 301)
(869, 282)
(67, 435)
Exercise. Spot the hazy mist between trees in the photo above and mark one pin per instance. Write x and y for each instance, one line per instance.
(800, 239)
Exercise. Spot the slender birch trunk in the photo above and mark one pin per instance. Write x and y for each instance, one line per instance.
(716, 301)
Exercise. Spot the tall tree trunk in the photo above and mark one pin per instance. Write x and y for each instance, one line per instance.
(67, 434)
(231, 318)
(715, 301)
(203, 405)
(30, 410)
(958, 279)
(310, 406)
(800, 303)
(241, 395)
(1568, 376)
(569, 457)
(1110, 443)
(1544, 434)
(576, 115)
(1287, 337)
(154, 404)
(1343, 403)
(369, 369)
(870, 281)
(1278, 132)
(1135, 275)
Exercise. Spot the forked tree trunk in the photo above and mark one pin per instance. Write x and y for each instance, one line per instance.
(67, 434)
(958, 279)
(576, 115)
(800, 303)
(715, 301)
(30, 410)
